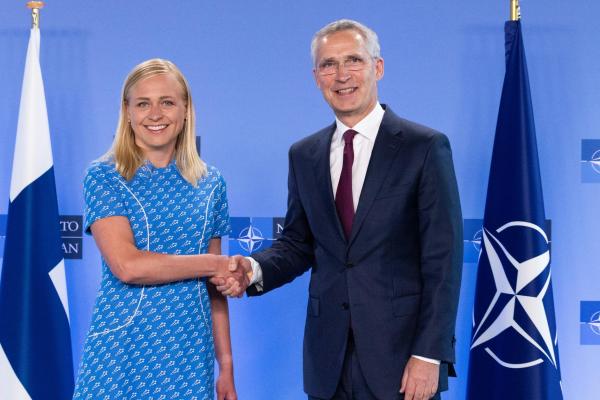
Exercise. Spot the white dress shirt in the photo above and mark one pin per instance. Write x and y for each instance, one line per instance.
(363, 143)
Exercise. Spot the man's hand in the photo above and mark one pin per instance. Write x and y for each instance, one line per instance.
(236, 279)
(420, 379)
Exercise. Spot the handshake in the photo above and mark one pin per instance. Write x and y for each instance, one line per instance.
(233, 276)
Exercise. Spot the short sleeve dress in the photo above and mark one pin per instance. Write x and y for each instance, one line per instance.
(153, 341)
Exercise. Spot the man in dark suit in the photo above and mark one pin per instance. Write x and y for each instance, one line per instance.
(373, 208)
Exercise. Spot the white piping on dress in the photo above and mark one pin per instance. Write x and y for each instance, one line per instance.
(129, 319)
(200, 249)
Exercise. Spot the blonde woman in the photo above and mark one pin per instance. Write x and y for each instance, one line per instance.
(157, 213)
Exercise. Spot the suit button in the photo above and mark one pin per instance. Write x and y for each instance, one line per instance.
(349, 264)
(345, 306)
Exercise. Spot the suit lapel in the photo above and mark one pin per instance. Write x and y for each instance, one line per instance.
(323, 189)
(386, 147)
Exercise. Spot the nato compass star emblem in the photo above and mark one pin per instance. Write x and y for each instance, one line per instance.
(476, 241)
(590, 160)
(514, 308)
(594, 323)
(595, 161)
(250, 239)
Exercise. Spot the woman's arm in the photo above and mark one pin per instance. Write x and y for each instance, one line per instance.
(115, 240)
(220, 317)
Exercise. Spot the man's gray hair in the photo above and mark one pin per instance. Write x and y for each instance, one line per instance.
(370, 37)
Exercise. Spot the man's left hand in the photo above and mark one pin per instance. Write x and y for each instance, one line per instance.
(420, 379)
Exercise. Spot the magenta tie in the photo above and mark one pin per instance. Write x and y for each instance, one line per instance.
(343, 195)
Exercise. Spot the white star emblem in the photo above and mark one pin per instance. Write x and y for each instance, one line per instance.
(595, 161)
(250, 239)
(527, 271)
(594, 323)
(476, 241)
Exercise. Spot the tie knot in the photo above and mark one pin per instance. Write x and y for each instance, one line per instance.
(349, 136)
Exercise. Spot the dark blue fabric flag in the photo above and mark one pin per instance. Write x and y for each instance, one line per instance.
(35, 342)
(514, 349)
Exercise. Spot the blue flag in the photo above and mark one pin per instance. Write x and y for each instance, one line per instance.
(35, 345)
(514, 350)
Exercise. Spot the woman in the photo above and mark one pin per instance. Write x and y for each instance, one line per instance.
(157, 213)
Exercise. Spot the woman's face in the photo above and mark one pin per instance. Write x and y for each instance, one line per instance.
(156, 110)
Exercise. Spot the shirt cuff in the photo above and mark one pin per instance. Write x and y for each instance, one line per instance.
(257, 278)
(429, 360)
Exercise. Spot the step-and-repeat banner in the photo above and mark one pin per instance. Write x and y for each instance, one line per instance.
(249, 66)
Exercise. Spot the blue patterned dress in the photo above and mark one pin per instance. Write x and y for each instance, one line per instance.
(153, 341)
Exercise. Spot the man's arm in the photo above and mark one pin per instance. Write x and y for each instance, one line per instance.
(440, 227)
(290, 256)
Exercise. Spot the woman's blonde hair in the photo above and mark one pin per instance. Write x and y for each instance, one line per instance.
(128, 157)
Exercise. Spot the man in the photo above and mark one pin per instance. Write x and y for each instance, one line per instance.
(373, 207)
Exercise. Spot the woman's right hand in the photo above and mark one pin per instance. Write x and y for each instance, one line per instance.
(233, 276)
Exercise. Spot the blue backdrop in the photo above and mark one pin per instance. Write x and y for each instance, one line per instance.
(248, 63)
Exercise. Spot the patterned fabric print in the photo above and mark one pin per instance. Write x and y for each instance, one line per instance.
(153, 342)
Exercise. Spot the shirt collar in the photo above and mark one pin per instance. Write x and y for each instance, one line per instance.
(368, 126)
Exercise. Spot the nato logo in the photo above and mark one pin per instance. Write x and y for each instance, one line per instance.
(589, 322)
(250, 234)
(516, 313)
(472, 237)
(472, 230)
(590, 160)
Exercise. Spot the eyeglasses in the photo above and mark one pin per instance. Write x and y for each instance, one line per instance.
(330, 67)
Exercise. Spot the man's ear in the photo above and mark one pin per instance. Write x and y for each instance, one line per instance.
(379, 68)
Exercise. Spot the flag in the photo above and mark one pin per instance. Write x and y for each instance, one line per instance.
(514, 349)
(35, 345)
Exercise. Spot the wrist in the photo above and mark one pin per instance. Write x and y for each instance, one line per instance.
(220, 265)
(250, 272)
(226, 367)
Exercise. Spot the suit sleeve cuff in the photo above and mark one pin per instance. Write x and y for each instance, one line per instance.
(429, 360)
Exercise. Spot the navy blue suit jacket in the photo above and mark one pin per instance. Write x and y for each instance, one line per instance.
(395, 281)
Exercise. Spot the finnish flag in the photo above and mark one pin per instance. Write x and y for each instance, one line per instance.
(35, 345)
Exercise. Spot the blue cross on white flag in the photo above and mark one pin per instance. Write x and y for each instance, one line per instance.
(514, 349)
(35, 345)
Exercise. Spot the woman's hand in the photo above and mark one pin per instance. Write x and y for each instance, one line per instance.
(233, 277)
(225, 386)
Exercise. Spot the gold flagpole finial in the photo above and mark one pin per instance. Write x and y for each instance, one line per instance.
(35, 7)
(515, 10)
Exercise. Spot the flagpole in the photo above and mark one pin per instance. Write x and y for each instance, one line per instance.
(515, 10)
(514, 328)
(36, 361)
(35, 7)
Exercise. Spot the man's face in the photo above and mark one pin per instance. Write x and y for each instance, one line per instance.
(347, 75)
